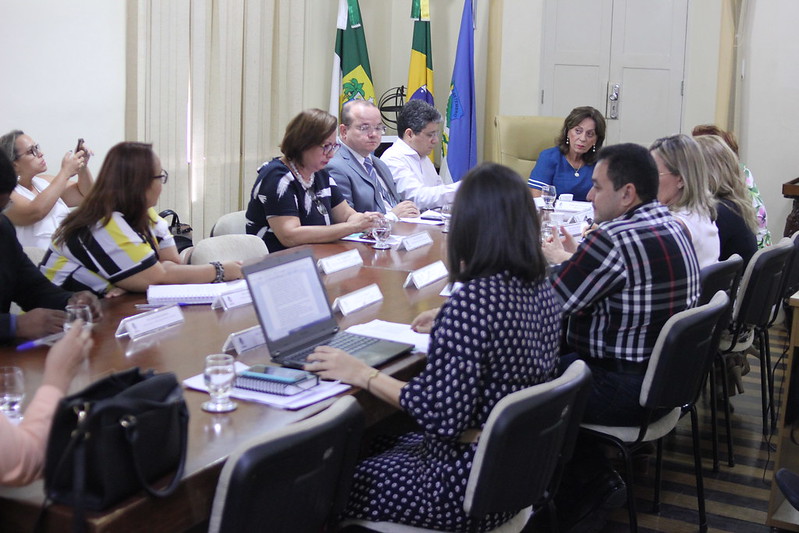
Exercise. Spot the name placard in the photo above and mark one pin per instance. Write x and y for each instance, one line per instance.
(229, 300)
(450, 289)
(337, 262)
(426, 275)
(145, 323)
(244, 340)
(417, 240)
(357, 299)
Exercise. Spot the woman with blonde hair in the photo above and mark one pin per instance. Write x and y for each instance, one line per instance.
(683, 188)
(736, 218)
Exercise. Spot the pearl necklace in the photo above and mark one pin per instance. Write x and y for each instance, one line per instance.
(307, 184)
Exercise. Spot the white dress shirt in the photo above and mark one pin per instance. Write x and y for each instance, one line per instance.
(416, 177)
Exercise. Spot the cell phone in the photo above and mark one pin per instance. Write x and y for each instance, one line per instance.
(275, 373)
(79, 147)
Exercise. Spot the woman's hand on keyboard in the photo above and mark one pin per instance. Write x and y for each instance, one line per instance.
(334, 364)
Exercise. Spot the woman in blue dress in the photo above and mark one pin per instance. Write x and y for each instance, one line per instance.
(569, 166)
(497, 334)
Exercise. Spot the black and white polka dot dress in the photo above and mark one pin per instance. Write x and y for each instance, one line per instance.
(495, 336)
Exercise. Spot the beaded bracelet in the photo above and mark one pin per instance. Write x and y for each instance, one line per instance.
(220, 272)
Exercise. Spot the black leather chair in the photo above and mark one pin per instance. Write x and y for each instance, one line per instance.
(722, 276)
(527, 439)
(760, 291)
(682, 356)
(293, 479)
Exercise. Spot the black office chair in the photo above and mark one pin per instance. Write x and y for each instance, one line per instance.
(293, 479)
(527, 439)
(790, 284)
(788, 482)
(760, 291)
(722, 276)
(682, 356)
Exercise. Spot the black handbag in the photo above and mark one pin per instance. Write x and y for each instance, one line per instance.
(182, 233)
(114, 438)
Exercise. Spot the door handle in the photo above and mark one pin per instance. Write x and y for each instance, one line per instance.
(612, 110)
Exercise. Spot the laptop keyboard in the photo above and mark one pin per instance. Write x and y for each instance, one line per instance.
(342, 340)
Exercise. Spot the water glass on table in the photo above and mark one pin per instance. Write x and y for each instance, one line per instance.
(75, 312)
(12, 391)
(549, 194)
(219, 375)
(446, 215)
(381, 231)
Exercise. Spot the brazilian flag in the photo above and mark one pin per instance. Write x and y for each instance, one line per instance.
(352, 75)
(420, 73)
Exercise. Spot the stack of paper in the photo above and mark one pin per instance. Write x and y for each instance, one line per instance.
(191, 293)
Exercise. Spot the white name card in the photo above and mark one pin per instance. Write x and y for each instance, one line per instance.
(357, 299)
(450, 289)
(145, 323)
(244, 340)
(231, 299)
(417, 240)
(337, 262)
(426, 275)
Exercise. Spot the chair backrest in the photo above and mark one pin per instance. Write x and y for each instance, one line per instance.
(230, 223)
(228, 248)
(520, 139)
(722, 276)
(790, 280)
(296, 478)
(682, 356)
(761, 284)
(529, 435)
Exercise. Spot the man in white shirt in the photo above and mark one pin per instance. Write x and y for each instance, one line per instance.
(364, 180)
(418, 125)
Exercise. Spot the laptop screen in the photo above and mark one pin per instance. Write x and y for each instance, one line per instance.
(288, 295)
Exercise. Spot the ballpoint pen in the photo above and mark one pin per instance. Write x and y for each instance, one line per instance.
(44, 341)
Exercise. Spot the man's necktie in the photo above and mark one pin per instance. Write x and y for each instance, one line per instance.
(370, 170)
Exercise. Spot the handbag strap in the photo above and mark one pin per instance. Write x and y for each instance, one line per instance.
(130, 426)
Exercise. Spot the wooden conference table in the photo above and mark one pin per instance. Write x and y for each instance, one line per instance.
(182, 349)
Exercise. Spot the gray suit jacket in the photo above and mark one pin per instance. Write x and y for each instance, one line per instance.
(356, 186)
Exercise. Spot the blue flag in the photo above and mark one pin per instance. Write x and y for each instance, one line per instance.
(459, 142)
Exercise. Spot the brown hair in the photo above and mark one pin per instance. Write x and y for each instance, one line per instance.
(577, 115)
(308, 129)
(126, 175)
(712, 129)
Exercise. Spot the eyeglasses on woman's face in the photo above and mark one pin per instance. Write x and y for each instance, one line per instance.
(34, 150)
(330, 148)
(163, 176)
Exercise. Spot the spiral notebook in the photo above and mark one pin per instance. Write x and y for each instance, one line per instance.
(191, 293)
(251, 381)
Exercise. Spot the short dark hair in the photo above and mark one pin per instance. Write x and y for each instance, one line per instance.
(631, 163)
(577, 115)
(308, 129)
(8, 177)
(712, 129)
(494, 227)
(416, 115)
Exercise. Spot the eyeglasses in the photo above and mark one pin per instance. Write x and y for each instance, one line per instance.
(432, 134)
(34, 150)
(367, 129)
(330, 148)
(163, 176)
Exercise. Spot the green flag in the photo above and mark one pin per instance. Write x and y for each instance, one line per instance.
(352, 76)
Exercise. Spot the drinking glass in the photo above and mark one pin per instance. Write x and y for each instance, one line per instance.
(381, 231)
(12, 391)
(219, 376)
(75, 312)
(446, 215)
(549, 193)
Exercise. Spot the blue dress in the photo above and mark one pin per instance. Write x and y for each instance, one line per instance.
(553, 169)
(495, 335)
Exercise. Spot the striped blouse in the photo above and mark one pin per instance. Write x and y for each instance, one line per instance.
(112, 252)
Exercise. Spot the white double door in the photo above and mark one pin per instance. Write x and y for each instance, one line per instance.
(623, 57)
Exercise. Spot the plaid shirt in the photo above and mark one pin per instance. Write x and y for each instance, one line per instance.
(624, 282)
